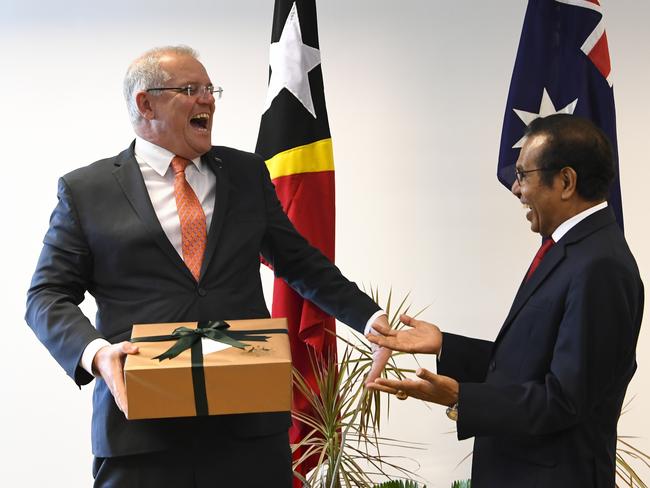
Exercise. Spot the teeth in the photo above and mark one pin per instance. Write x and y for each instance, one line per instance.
(201, 116)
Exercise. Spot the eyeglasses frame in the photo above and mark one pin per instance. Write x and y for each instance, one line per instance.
(215, 91)
(520, 174)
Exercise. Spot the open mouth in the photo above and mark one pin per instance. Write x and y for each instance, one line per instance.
(200, 121)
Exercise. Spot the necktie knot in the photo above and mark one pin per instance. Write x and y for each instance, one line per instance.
(179, 164)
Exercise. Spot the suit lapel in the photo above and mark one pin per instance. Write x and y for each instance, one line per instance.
(220, 205)
(129, 177)
(553, 259)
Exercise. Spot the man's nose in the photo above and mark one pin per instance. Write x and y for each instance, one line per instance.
(206, 97)
(516, 189)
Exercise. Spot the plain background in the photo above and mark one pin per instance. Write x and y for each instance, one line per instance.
(415, 91)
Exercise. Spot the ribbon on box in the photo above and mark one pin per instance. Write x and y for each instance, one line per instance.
(187, 338)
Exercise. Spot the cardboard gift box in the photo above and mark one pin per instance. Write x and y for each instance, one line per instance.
(196, 382)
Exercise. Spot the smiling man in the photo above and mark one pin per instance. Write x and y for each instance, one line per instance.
(171, 230)
(543, 399)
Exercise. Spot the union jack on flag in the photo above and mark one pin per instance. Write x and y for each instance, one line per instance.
(562, 66)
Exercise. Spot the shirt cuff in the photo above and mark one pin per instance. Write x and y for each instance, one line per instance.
(371, 320)
(89, 354)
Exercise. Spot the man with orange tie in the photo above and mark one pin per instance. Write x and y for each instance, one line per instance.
(171, 230)
(543, 399)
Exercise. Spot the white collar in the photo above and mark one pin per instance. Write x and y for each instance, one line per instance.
(159, 158)
(568, 224)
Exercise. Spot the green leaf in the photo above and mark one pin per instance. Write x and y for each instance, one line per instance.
(462, 484)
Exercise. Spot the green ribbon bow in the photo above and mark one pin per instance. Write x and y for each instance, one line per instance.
(185, 338)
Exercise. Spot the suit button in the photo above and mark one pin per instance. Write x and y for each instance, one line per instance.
(493, 365)
(202, 292)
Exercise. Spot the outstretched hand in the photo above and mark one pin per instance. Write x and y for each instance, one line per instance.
(431, 387)
(108, 364)
(419, 337)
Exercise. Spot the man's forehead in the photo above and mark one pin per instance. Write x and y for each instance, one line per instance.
(536, 141)
(531, 149)
(183, 67)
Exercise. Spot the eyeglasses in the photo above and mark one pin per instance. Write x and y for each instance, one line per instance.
(520, 174)
(192, 90)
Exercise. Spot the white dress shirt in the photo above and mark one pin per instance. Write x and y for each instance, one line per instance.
(155, 165)
(568, 224)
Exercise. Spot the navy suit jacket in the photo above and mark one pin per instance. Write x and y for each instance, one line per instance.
(544, 398)
(105, 238)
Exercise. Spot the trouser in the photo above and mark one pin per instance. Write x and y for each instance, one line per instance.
(256, 462)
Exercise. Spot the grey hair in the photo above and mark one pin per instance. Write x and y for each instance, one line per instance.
(145, 72)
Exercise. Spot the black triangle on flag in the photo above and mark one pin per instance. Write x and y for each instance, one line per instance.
(287, 123)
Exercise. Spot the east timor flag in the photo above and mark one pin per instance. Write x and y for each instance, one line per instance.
(295, 141)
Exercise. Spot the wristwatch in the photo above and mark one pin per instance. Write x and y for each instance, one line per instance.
(452, 412)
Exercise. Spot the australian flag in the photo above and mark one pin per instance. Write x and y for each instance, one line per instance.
(562, 66)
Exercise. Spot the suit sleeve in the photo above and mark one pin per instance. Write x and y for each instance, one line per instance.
(463, 358)
(307, 270)
(593, 360)
(58, 286)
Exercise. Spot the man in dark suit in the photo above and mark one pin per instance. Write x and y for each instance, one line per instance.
(171, 230)
(544, 398)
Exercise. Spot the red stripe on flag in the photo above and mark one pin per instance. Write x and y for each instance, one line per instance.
(308, 200)
(599, 55)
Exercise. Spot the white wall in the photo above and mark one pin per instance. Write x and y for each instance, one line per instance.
(416, 92)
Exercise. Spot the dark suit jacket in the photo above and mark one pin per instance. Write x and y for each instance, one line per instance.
(105, 238)
(544, 399)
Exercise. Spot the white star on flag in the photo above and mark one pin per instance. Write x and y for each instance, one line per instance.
(291, 61)
(546, 108)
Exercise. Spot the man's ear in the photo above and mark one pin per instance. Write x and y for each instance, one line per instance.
(569, 182)
(143, 101)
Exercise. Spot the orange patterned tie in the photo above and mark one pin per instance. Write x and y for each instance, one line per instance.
(192, 217)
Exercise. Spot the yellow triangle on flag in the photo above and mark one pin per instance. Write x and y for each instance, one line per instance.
(310, 158)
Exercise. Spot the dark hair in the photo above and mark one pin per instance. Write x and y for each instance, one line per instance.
(577, 143)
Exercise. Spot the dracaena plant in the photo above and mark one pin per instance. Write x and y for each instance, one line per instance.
(344, 422)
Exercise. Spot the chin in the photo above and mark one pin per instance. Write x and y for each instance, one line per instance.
(202, 148)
